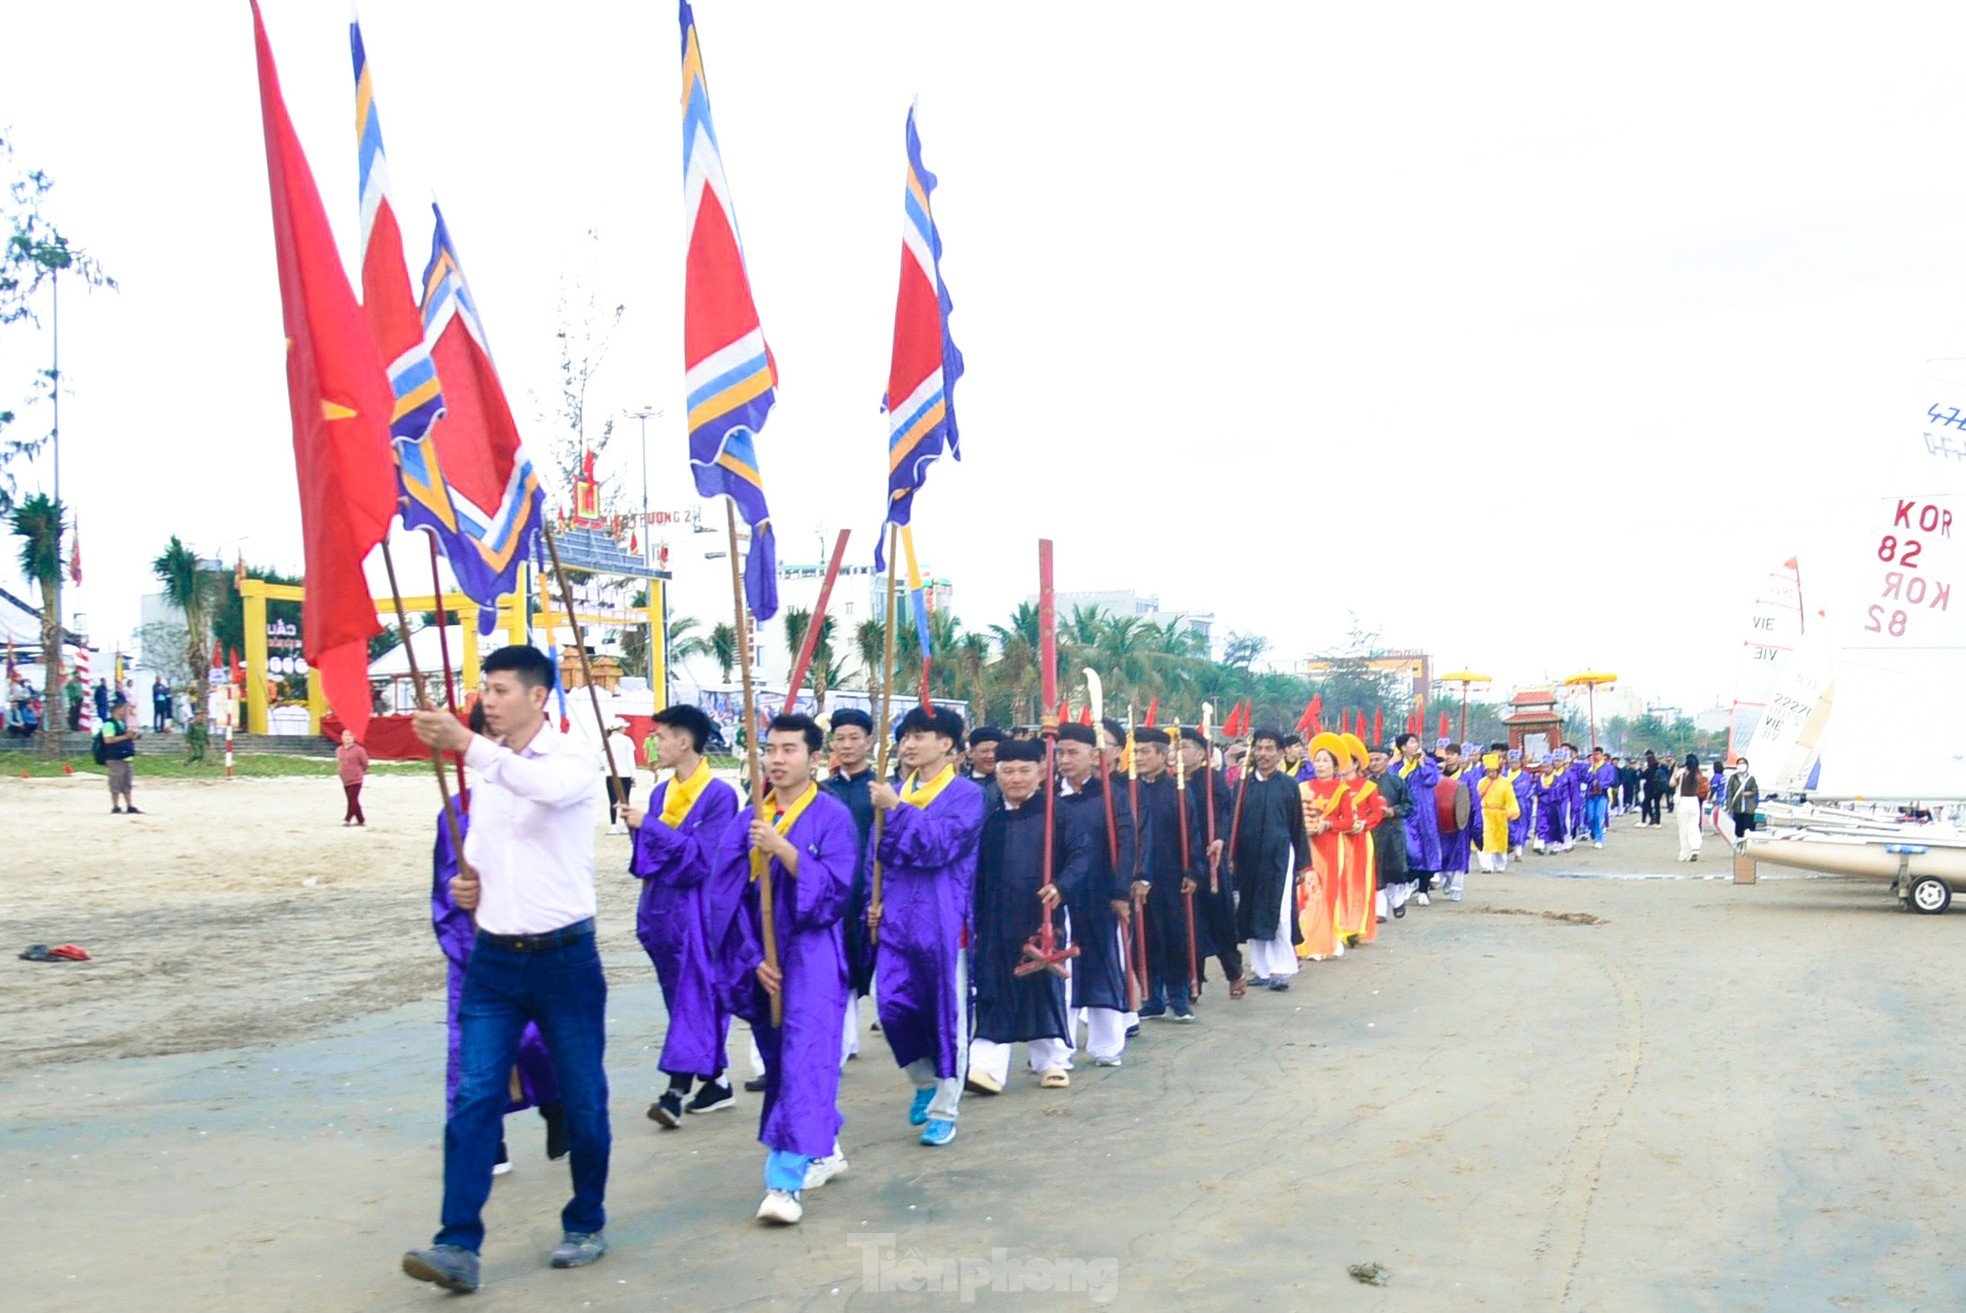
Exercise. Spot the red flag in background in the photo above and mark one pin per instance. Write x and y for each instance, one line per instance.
(75, 555)
(1085, 714)
(1153, 709)
(1445, 728)
(340, 399)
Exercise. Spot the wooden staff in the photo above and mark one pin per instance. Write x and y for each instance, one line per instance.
(451, 826)
(444, 647)
(886, 728)
(1187, 860)
(752, 772)
(1096, 695)
(1208, 793)
(1139, 899)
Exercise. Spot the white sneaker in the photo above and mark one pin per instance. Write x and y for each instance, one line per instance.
(1599, 844)
(1423, 900)
(1105, 1062)
(821, 1170)
(781, 1207)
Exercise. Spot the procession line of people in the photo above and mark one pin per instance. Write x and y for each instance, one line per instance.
(982, 899)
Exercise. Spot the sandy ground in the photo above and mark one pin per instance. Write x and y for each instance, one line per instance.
(1564, 1093)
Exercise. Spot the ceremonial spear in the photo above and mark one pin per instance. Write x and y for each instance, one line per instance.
(1042, 953)
(1187, 858)
(1096, 694)
(1139, 899)
(1208, 793)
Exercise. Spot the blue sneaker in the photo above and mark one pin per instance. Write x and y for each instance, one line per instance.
(918, 1110)
(450, 1266)
(938, 1131)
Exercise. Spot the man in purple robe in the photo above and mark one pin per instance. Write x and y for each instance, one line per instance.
(805, 845)
(1421, 774)
(682, 915)
(1457, 815)
(1524, 783)
(536, 1085)
(920, 921)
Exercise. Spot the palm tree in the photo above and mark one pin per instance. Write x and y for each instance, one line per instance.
(870, 647)
(825, 670)
(723, 648)
(37, 521)
(188, 587)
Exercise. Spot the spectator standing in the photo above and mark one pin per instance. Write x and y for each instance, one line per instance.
(621, 787)
(352, 763)
(160, 705)
(102, 700)
(76, 691)
(1689, 786)
(119, 745)
(1743, 798)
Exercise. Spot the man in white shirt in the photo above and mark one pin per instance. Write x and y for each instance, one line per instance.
(529, 876)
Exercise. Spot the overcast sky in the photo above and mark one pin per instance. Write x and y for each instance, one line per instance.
(1529, 335)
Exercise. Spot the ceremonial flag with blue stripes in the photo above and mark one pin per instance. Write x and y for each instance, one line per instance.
(922, 374)
(470, 483)
(729, 373)
(387, 300)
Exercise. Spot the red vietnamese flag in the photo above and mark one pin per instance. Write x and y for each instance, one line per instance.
(340, 399)
(1444, 726)
(1153, 709)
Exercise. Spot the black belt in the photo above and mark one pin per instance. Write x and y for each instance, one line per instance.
(539, 943)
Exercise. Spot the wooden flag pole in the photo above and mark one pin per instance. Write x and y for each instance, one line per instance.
(751, 771)
(580, 647)
(886, 732)
(451, 826)
(444, 647)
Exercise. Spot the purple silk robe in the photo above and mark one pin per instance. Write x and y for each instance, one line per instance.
(1454, 843)
(1525, 797)
(928, 866)
(682, 919)
(802, 1058)
(1553, 807)
(1423, 825)
(456, 935)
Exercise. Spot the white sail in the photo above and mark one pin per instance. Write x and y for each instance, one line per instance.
(1898, 728)
(1775, 625)
(1782, 752)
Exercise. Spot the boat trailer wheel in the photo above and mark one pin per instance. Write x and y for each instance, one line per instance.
(1930, 895)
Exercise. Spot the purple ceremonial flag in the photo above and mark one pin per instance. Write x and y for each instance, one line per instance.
(681, 919)
(928, 864)
(802, 1058)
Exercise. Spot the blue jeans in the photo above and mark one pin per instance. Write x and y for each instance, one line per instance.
(1594, 815)
(562, 991)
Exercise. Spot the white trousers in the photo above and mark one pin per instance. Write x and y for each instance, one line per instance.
(1105, 1032)
(850, 1036)
(993, 1059)
(1688, 816)
(1276, 957)
(948, 1093)
(1493, 861)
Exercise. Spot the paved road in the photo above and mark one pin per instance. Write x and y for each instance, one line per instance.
(1563, 1093)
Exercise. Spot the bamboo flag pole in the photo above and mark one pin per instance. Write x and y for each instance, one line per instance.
(423, 704)
(886, 728)
(751, 771)
(580, 646)
(444, 648)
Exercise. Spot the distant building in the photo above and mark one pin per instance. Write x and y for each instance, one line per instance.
(1141, 606)
(1415, 668)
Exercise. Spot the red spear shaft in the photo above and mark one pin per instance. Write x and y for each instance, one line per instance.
(1187, 861)
(1042, 952)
